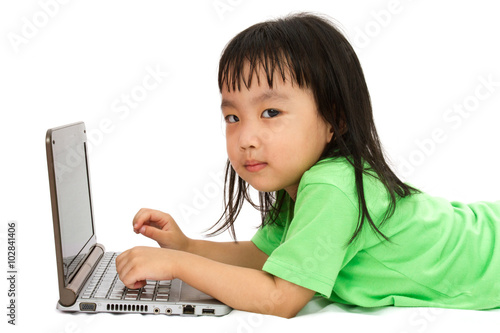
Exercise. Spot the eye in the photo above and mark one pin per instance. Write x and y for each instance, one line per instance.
(270, 113)
(231, 119)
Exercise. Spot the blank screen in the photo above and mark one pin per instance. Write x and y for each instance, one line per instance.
(74, 205)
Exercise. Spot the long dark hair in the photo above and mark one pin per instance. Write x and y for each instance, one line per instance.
(314, 54)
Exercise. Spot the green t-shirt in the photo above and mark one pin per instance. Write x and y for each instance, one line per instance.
(441, 254)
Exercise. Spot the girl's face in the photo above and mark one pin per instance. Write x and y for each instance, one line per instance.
(273, 135)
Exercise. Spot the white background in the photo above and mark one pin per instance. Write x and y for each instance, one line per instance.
(70, 61)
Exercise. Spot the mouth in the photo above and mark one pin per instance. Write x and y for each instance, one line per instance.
(254, 166)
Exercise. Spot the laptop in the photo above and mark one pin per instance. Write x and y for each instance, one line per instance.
(87, 276)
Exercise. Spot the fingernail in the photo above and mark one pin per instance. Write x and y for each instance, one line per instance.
(142, 230)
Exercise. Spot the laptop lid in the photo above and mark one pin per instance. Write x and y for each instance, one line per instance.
(74, 232)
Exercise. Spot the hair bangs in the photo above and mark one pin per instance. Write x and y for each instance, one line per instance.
(261, 50)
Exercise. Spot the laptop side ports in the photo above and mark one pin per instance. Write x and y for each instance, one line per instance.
(188, 309)
(208, 311)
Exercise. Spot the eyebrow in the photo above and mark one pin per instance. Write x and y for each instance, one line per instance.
(269, 94)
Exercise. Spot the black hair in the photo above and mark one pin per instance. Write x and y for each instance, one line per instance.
(314, 54)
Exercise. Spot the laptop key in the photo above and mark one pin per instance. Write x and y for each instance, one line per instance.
(131, 297)
(116, 295)
(146, 297)
(133, 291)
(162, 291)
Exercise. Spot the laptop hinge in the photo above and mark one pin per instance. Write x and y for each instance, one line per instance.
(86, 269)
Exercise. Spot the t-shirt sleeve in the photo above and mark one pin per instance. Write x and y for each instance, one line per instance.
(268, 238)
(315, 247)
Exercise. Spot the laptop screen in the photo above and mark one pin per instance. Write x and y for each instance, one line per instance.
(73, 197)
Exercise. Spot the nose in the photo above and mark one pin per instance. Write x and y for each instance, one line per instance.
(249, 137)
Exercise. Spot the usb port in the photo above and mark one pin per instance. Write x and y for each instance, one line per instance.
(208, 311)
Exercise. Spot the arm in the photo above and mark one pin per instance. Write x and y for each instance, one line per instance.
(230, 272)
(244, 254)
(243, 288)
(162, 228)
(239, 287)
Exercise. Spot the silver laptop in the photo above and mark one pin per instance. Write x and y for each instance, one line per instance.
(87, 276)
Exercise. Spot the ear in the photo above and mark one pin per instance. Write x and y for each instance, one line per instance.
(329, 134)
(342, 124)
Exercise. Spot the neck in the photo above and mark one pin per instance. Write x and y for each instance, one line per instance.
(292, 191)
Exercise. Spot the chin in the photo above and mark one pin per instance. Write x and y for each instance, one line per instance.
(263, 188)
(259, 183)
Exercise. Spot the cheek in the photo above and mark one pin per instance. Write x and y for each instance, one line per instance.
(232, 150)
(230, 140)
(281, 127)
(321, 134)
(307, 145)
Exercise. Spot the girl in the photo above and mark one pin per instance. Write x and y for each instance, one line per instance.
(336, 220)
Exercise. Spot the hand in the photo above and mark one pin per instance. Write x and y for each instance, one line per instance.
(160, 227)
(139, 264)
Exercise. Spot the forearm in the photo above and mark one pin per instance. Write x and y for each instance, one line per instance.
(162, 228)
(240, 287)
(244, 254)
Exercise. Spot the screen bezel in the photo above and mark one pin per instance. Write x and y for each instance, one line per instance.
(72, 135)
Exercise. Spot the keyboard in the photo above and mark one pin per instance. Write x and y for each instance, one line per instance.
(105, 284)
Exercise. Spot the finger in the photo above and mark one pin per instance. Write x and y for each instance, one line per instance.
(129, 271)
(153, 233)
(125, 261)
(140, 218)
(139, 284)
(128, 279)
(150, 217)
(120, 261)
